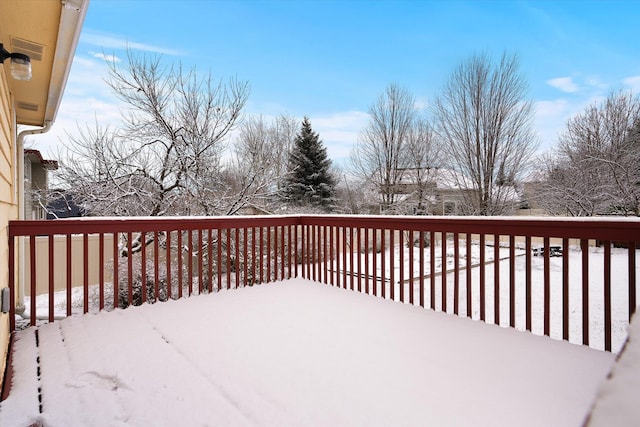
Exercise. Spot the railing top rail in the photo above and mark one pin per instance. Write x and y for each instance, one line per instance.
(601, 228)
(136, 224)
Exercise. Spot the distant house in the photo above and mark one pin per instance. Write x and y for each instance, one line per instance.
(36, 183)
(431, 191)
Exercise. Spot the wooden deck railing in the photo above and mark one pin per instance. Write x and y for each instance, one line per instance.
(482, 268)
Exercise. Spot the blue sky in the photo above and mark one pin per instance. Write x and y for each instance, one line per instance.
(330, 60)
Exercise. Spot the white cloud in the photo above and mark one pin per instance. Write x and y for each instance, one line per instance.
(546, 109)
(633, 82)
(109, 41)
(339, 132)
(108, 58)
(421, 104)
(565, 84)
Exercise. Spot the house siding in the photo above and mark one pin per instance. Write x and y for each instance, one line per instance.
(8, 206)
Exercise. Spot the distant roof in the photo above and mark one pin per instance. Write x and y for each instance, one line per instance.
(37, 156)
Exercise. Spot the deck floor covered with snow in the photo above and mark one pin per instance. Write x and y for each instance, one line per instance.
(295, 353)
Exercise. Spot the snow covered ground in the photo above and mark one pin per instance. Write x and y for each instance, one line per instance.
(295, 353)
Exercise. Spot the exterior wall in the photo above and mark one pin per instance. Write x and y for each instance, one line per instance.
(8, 202)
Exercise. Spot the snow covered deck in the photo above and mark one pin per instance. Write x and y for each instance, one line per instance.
(295, 353)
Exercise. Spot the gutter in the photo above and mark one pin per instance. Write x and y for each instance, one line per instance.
(19, 162)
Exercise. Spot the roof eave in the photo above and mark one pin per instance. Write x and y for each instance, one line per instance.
(71, 19)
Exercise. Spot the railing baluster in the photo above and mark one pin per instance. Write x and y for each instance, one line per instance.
(383, 281)
(367, 272)
(547, 286)
(69, 273)
(32, 271)
(482, 267)
(245, 255)
(262, 255)
(282, 253)
(334, 277)
(167, 243)
(352, 270)
(85, 270)
(565, 289)
(607, 295)
(297, 258)
(443, 281)
(496, 279)
(456, 273)
(512, 281)
(468, 277)
(227, 232)
(85, 277)
(291, 245)
(344, 257)
(421, 246)
(527, 291)
(219, 257)
(190, 262)
(101, 270)
(253, 256)
(314, 256)
(270, 258)
(156, 264)
(50, 253)
(143, 267)
(432, 268)
(325, 258)
(200, 261)
(411, 266)
(632, 277)
(392, 265)
(116, 279)
(209, 258)
(358, 254)
(374, 261)
(584, 246)
(180, 255)
(12, 283)
(401, 262)
(129, 269)
(236, 263)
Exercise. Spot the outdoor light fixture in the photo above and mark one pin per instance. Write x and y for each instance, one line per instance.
(20, 64)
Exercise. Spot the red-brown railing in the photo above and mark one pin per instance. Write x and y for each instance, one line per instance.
(542, 275)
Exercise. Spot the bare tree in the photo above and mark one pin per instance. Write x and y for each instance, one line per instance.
(165, 157)
(484, 119)
(259, 161)
(424, 159)
(383, 152)
(596, 168)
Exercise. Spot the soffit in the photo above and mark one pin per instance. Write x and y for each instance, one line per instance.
(47, 31)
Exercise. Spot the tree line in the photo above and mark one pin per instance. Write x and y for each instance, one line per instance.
(185, 148)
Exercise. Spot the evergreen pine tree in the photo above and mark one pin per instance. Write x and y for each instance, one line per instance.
(308, 180)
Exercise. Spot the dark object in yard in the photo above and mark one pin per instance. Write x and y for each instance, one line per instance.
(554, 250)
